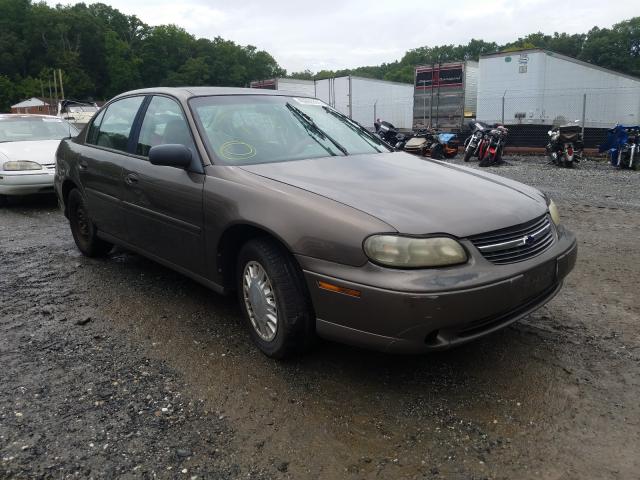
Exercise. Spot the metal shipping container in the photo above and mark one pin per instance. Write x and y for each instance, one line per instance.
(294, 85)
(366, 99)
(445, 94)
(540, 87)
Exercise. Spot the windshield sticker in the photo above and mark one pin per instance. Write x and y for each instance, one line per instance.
(237, 150)
(307, 101)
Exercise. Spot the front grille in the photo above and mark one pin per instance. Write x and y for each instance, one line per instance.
(517, 243)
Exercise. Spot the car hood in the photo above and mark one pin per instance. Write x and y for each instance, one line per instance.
(41, 151)
(414, 195)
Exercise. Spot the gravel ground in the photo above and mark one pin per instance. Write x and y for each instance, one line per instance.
(122, 368)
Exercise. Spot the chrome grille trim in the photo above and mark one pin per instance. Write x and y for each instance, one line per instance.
(517, 243)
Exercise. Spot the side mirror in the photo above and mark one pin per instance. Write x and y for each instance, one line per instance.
(170, 155)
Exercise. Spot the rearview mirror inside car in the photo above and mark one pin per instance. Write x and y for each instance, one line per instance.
(170, 155)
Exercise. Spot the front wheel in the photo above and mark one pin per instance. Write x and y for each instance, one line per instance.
(468, 153)
(274, 299)
(83, 229)
(3, 201)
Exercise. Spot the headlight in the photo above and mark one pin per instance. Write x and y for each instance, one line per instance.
(553, 211)
(13, 166)
(410, 252)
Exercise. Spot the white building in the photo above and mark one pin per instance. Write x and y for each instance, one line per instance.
(540, 87)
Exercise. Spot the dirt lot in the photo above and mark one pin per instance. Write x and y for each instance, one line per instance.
(122, 368)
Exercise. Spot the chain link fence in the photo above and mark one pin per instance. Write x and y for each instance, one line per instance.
(529, 117)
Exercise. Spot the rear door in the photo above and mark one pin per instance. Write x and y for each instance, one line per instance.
(101, 162)
(163, 205)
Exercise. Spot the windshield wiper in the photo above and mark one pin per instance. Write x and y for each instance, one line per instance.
(356, 127)
(309, 124)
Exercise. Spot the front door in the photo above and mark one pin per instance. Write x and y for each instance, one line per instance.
(163, 205)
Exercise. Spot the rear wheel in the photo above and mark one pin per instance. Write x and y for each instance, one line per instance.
(437, 151)
(83, 229)
(274, 299)
(487, 159)
(450, 152)
(468, 153)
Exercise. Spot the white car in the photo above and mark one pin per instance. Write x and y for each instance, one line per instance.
(28, 145)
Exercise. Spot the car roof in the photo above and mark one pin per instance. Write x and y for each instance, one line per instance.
(185, 93)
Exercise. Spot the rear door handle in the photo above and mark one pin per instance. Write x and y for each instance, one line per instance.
(131, 179)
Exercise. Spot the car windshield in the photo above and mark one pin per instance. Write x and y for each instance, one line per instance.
(248, 129)
(26, 129)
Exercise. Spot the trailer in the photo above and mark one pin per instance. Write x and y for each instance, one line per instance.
(536, 87)
(294, 85)
(445, 95)
(367, 99)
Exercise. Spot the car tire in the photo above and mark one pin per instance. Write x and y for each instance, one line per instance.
(267, 277)
(83, 229)
(4, 201)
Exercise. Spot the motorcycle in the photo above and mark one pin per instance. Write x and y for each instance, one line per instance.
(473, 143)
(493, 147)
(622, 147)
(428, 142)
(390, 135)
(565, 145)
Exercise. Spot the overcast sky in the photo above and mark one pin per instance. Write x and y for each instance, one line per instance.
(333, 34)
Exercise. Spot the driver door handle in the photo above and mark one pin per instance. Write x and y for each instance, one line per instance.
(131, 179)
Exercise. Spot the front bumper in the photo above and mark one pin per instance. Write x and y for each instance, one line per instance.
(26, 183)
(416, 311)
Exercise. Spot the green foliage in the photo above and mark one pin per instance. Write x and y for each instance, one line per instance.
(103, 52)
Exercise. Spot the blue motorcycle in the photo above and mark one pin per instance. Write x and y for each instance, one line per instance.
(622, 146)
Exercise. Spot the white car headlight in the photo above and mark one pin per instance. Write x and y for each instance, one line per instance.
(554, 212)
(413, 252)
(16, 165)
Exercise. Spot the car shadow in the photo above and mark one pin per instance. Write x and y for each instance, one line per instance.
(31, 202)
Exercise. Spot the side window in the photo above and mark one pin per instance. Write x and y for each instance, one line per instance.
(94, 128)
(163, 123)
(115, 127)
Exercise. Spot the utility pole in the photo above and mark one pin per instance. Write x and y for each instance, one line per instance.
(55, 87)
(42, 92)
(61, 87)
(584, 113)
(50, 95)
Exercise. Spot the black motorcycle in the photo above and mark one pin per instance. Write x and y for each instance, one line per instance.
(474, 143)
(390, 135)
(565, 145)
